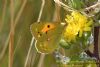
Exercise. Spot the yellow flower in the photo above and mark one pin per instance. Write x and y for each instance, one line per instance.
(71, 32)
(82, 22)
(85, 26)
(77, 24)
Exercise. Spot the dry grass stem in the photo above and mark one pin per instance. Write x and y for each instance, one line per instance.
(40, 64)
(3, 14)
(20, 12)
(11, 41)
(32, 41)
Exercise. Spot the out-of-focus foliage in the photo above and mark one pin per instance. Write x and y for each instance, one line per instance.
(22, 37)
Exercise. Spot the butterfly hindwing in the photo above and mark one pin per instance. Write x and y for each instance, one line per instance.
(47, 35)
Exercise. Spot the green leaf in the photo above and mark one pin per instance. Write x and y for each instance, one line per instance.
(76, 4)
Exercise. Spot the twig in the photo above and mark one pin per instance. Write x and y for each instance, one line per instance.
(93, 6)
(3, 14)
(96, 51)
(99, 42)
(18, 17)
(96, 33)
(20, 12)
(11, 41)
(16, 22)
(19, 39)
(41, 10)
(95, 9)
(89, 53)
(42, 55)
(63, 5)
(41, 60)
(34, 55)
(33, 40)
(29, 51)
(3, 17)
(5, 47)
(56, 16)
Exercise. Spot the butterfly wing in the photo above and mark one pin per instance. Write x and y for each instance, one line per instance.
(47, 35)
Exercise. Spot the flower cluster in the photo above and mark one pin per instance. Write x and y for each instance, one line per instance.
(77, 25)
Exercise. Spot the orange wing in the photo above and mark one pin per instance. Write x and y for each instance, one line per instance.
(48, 27)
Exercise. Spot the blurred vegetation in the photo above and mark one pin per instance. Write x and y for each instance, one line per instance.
(22, 36)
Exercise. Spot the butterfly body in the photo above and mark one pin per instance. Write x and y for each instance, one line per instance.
(48, 35)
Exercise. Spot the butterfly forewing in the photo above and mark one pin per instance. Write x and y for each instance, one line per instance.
(51, 33)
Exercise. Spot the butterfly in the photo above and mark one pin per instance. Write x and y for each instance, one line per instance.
(48, 35)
